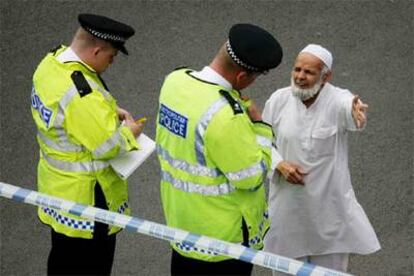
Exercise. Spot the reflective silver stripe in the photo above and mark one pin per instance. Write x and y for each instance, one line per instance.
(95, 86)
(109, 144)
(60, 115)
(189, 187)
(122, 144)
(259, 168)
(58, 122)
(92, 166)
(202, 126)
(64, 146)
(263, 141)
(195, 169)
(64, 101)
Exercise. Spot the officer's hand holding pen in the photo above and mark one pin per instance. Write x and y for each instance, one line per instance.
(135, 126)
(123, 114)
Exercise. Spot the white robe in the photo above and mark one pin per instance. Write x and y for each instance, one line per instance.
(322, 217)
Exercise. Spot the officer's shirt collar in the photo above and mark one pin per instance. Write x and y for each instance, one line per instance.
(68, 55)
(208, 74)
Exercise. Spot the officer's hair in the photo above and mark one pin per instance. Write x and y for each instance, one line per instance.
(226, 61)
(83, 39)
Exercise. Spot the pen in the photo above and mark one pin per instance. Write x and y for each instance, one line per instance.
(142, 120)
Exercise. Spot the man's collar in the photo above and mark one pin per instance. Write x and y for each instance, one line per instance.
(210, 75)
(68, 55)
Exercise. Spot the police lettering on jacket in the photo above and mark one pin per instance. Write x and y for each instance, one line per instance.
(44, 112)
(173, 121)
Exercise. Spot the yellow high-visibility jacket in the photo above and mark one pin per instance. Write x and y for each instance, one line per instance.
(78, 132)
(213, 160)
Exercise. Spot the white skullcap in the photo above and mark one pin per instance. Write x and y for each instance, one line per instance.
(319, 52)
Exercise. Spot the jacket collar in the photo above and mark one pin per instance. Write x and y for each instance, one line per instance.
(208, 74)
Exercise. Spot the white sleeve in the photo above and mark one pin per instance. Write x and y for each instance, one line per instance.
(270, 112)
(267, 115)
(276, 158)
(346, 119)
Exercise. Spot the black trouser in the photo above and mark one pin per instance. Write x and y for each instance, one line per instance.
(76, 256)
(181, 265)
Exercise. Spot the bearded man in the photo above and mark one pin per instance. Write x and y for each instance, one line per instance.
(315, 215)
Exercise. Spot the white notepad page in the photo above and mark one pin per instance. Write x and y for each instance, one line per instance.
(125, 164)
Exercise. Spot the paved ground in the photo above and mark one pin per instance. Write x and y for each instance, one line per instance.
(372, 43)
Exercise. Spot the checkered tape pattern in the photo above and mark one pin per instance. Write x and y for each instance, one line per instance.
(255, 240)
(188, 248)
(73, 223)
(183, 239)
(106, 36)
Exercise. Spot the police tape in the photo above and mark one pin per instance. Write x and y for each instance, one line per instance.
(236, 251)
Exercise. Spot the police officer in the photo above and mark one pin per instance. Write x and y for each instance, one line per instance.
(79, 130)
(215, 150)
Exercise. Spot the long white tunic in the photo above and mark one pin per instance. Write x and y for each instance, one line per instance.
(323, 216)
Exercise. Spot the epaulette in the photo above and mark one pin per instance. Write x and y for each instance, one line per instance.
(81, 84)
(54, 50)
(237, 109)
(179, 68)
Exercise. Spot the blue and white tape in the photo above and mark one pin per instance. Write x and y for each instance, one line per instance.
(236, 251)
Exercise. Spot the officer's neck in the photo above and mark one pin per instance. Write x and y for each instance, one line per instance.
(86, 55)
(220, 69)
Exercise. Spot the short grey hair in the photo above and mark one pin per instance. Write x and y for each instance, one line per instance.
(324, 70)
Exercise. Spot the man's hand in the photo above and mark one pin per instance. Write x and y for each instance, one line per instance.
(135, 126)
(252, 110)
(123, 114)
(359, 110)
(291, 172)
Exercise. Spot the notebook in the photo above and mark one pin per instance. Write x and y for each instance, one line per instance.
(125, 164)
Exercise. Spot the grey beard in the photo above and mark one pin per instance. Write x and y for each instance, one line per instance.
(304, 94)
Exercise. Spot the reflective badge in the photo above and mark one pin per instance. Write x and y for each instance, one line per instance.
(174, 122)
(44, 112)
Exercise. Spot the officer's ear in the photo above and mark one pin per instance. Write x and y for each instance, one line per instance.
(96, 50)
(244, 78)
(241, 76)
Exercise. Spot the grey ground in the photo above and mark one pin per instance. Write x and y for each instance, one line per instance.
(372, 44)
